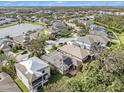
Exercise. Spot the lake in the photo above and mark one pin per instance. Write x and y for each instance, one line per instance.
(17, 30)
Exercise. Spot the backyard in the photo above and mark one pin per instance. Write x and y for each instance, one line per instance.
(58, 82)
(121, 37)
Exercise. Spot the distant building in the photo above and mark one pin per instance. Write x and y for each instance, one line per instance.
(7, 84)
(57, 26)
(6, 44)
(7, 20)
(33, 72)
(98, 30)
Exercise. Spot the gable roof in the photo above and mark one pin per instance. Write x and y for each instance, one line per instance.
(32, 67)
(57, 59)
(90, 39)
(75, 51)
(85, 39)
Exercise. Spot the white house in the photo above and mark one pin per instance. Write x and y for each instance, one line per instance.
(33, 72)
(89, 40)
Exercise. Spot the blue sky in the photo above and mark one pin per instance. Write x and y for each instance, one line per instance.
(61, 3)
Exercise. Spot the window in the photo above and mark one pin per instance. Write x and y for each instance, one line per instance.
(45, 77)
(43, 71)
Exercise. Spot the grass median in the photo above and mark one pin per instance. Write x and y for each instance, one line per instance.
(21, 85)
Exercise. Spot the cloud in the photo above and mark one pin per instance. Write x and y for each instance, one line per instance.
(50, 4)
(56, 3)
(62, 3)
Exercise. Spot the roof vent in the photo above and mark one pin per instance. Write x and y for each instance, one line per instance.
(0, 78)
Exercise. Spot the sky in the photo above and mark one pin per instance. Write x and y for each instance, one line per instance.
(61, 3)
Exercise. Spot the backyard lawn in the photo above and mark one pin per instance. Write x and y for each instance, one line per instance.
(59, 83)
(121, 37)
(21, 85)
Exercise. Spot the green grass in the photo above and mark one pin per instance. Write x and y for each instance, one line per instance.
(21, 85)
(36, 22)
(7, 25)
(112, 46)
(1, 68)
(111, 28)
(30, 22)
(58, 82)
(121, 37)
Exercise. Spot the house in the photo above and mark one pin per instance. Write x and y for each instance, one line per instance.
(22, 39)
(98, 30)
(33, 72)
(7, 84)
(44, 20)
(62, 63)
(7, 20)
(57, 26)
(24, 55)
(6, 44)
(75, 52)
(67, 58)
(89, 40)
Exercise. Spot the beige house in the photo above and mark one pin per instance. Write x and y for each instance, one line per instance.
(33, 72)
(67, 58)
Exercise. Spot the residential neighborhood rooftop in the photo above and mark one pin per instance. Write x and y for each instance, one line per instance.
(31, 67)
(76, 51)
(7, 84)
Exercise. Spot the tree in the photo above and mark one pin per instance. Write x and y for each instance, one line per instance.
(2, 56)
(65, 33)
(54, 47)
(9, 66)
(83, 32)
(37, 47)
(108, 76)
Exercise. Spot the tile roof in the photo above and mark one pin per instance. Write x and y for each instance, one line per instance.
(76, 51)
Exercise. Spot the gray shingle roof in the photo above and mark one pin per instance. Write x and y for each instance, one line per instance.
(90, 39)
(7, 84)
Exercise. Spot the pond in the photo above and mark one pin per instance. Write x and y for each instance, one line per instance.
(17, 30)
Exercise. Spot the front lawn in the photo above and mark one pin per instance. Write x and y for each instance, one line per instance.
(21, 85)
